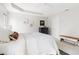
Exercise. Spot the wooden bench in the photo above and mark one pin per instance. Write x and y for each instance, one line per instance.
(72, 37)
(75, 39)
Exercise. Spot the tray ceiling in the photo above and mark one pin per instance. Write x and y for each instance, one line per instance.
(43, 8)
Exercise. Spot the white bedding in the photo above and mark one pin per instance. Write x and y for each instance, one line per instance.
(40, 44)
(14, 47)
(30, 44)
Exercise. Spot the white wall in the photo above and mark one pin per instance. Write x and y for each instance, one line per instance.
(69, 22)
(3, 16)
(54, 26)
(24, 23)
(19, 21)
(65, 23)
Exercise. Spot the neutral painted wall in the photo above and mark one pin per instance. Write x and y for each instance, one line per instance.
(69, 22)
(66, 22)
(54, 26)
(3, 16)
(24, 23)
(18, 21)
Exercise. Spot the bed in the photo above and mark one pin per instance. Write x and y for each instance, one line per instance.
(13, 47)
(40, 44)
(8, 47)
(28, 44)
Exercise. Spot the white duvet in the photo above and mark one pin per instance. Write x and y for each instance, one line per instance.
(14, 47)
(30, 44)
(40, 44)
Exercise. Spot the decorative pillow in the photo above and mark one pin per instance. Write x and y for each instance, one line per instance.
(4, 35)
(14, 36)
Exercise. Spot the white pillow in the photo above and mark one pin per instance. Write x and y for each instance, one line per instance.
(4, 35)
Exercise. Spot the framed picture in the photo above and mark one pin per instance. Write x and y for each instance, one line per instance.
(42, 22)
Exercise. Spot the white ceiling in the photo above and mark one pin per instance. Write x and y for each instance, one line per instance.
(46, 8)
